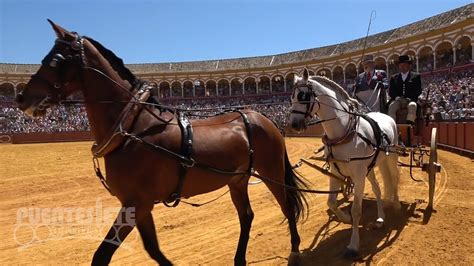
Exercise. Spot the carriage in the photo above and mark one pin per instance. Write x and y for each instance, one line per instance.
(410, 137)
(185, 160)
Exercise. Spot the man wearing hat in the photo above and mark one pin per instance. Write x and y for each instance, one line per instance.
(405, 88)
(371, 85)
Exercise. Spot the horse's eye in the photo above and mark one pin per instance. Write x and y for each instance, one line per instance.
(303, 96)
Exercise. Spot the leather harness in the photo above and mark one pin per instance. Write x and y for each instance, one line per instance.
(379, 136)
(187, 152)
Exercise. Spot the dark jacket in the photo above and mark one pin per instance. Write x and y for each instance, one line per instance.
(410, 88)
(363, 83)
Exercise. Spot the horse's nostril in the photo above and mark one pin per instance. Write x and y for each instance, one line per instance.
(19, 98)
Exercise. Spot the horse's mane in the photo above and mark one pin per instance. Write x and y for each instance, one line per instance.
(115, 61)
(336, 88)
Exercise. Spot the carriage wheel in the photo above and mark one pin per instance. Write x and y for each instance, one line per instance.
(433, 168)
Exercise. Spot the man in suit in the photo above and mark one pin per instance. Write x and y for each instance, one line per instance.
(405, 88)
(371, 86)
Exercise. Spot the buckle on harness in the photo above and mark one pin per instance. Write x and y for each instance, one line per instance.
(189, 164)
(349, 187)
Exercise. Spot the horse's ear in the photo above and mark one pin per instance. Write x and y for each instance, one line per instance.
(295, 79)
(60, 32)
(305, 74)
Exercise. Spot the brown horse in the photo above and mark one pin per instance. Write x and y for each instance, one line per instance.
(141, 145)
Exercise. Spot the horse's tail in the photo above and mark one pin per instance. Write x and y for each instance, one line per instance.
(294, 197)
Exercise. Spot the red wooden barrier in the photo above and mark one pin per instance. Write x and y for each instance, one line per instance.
(43, 137)
(469, 140)
(460, 135)
(443, 133)
(452, 134)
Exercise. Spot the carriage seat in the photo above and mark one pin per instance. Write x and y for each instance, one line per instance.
(409, 134)
(406, 135)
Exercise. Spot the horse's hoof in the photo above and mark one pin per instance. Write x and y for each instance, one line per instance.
(351, 254)
(294, 259)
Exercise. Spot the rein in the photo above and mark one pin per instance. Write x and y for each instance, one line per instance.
(350, 133)
(134, 106)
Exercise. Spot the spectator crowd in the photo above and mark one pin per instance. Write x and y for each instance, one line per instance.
(451, 97)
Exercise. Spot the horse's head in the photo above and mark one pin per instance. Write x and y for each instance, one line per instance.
(303, 101)
(57, 77)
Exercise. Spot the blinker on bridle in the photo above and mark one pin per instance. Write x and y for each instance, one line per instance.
(304, 97)
(55, 61)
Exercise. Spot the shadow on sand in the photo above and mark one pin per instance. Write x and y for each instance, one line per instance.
(329, 243)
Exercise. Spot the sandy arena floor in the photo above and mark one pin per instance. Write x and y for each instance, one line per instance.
(55, 211)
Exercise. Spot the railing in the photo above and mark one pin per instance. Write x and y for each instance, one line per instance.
(455, 135)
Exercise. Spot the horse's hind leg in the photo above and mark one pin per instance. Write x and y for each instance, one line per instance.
(279, 193)
(392, 162)
(390, 174)
(122, 226)
(378, 195)
(240, 198)
(146, 227)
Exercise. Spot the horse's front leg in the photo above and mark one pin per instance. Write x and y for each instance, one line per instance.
(146, 227)
(334, 185)
(123, 225)
(352, 251)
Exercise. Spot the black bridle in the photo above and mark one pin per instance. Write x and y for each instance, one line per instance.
(57, 61)
(304, 97)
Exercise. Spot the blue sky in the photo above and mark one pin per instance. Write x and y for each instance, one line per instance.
(146, 31)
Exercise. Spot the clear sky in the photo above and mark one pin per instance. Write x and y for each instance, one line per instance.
(155, 31)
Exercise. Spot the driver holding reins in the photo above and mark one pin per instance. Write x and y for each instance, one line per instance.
(371, 86)
(405, 88)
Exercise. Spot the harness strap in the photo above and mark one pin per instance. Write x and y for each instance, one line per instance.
(331, 142)
(379, 135)
(125, 122)
(187, 152)
(248, 128)
(99, 174)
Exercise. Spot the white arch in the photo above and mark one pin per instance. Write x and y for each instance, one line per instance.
(263, 76)
(8, 82)
(277, 74)
(239, 79)
(381, 56)
(408, 50)
(250, 77)
(423, 46)
(223, 79)
(335, 66)
(209, 80)
(200, 80)
(461, 36)
(441, 42)
(187, 81)
(324, 68)
(392, 55)
(164, 81)
(179, 81)
(294, 72)
(349, 63)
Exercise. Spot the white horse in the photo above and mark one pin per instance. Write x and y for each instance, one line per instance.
(351, 144)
